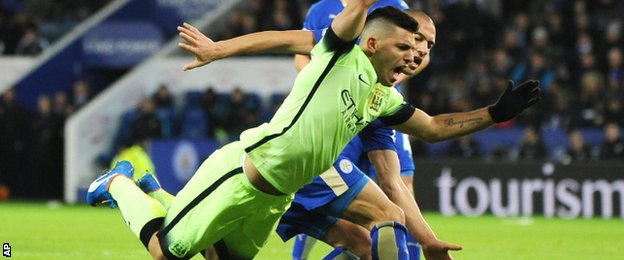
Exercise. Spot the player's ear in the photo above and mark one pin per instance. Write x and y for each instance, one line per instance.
(371, 44)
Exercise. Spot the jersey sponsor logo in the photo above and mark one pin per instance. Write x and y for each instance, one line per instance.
(346, 166)
(353, 121)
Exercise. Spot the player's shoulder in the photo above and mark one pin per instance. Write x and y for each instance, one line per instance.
(325, 7)
(321, 14)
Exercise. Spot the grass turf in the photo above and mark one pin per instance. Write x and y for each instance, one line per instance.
(57, 231)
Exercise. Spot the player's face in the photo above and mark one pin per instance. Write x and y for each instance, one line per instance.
(392, 54)
(425, 40)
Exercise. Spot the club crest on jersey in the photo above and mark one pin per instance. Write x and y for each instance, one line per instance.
(346, 166)
(376, 99)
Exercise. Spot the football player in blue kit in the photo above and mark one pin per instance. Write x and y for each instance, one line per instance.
(319, 17)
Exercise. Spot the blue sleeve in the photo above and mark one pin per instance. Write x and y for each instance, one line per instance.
(400, 4)
(318, 34)
(376, 136)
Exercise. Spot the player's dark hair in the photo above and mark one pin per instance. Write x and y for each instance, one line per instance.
(394, 16)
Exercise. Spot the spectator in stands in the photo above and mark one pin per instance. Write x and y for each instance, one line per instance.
(532, 146)
(464, 147)
(212, 109)
(146, 125)
(615, 70)
(235, 110)
(163, 98)
(578, 151)
(591, 97)
(559, 112)
(46, 158)
(61, 106)
(279, 15)
(31, 44)
(613, 146)
(14, 136)
(165, 112)
(81, 93)
(535, 67)
(613, 111)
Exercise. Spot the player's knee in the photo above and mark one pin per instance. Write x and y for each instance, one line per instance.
(392, 213)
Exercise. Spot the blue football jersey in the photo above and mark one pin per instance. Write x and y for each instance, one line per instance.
(322, 13)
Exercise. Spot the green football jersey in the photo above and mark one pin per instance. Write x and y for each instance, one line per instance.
(333, 98)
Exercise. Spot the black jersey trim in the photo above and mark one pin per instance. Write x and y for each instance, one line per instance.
(197, 200)
(404, 113)
(334, 43)
(317, 84)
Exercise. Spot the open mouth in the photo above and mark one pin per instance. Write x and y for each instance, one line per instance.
(418, 60)
(396, 72)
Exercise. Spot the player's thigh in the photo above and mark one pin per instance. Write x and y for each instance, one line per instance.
(370, 206)
(217, 201)
(247, 239)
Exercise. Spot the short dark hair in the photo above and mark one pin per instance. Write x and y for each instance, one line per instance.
(394, 16)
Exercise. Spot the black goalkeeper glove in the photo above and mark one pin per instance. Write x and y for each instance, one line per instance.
(514, 100)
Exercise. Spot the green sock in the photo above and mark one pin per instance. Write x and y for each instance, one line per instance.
(136, 207)
(165, 198)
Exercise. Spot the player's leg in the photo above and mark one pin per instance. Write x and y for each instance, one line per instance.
(404, 152)
(220, 207)
(351, 241)
(143, 214)
(302, 246)
(373, 210)
(150, 185)
(331, 230)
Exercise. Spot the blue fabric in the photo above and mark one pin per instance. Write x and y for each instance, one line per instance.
(413, 247)
(318, 193)
(399, 237)
(322, 13)
(298, 220)
(299, 246)
(338, 206)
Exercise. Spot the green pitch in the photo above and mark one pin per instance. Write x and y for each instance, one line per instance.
(55, 231)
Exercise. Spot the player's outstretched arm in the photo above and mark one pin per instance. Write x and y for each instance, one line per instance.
(512, 102)
(206, 50)
(349, 23)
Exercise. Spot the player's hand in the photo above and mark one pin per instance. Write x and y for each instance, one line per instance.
(439, 249)
(514, 100)
(195, 42)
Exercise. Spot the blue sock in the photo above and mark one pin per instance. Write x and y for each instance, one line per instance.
(389, 242)
(413, 247)
(302, 246)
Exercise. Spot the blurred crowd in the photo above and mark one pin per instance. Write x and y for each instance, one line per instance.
(574, 47)
(27, 27)
(31, 142)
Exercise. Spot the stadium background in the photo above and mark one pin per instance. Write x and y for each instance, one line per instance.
(83, 76)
